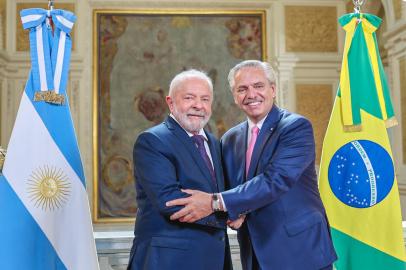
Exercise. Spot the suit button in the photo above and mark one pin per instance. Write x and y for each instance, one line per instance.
(222, 239)
(244, 213)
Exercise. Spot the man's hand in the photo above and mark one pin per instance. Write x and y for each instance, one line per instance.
(236, 224)
(197, 206)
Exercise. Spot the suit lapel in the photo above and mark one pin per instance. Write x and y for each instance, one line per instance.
(264, 135)
(216, 164)
(241, 141)
(187, 142)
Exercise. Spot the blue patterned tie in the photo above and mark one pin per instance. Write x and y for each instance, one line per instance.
(199, 141)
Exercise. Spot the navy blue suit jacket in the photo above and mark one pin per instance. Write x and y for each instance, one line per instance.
(166, 161)
(286, 224)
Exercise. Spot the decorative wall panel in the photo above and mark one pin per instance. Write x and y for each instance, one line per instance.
(315, 102)
(3, 14)
(311, 29)
(397, 7)
(402, 73)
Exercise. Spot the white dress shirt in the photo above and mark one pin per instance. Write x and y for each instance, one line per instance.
(201, 132)
(250, 126)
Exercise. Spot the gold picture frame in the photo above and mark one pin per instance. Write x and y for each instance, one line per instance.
(135, 55)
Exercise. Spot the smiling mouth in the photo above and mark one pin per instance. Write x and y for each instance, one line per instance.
(252, 103)
(195, 115)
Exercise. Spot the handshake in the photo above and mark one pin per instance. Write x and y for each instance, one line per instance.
(197, 206)
(236, 224)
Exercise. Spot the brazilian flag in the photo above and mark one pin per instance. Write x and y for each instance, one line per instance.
(357, 178)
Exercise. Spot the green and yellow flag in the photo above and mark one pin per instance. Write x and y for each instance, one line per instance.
(357, 178)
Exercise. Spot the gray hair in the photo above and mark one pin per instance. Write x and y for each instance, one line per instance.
(266, 67)
(187, 74)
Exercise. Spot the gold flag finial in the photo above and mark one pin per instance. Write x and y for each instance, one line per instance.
(357, 5)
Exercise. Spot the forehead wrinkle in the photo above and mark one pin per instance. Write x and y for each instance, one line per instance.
(250, 84)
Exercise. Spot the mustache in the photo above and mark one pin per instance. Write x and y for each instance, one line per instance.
(197, 113)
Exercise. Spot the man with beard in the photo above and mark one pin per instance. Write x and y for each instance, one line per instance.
(175, 155)
(269, 163)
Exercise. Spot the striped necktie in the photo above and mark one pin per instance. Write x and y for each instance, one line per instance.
(199, 141)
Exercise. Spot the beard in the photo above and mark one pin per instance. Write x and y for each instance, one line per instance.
(192, 126)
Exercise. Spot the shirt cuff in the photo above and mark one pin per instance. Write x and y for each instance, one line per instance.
(222, 203)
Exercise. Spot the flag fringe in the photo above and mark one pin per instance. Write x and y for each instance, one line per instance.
(49, 96)
(352, 128)
(391, 122)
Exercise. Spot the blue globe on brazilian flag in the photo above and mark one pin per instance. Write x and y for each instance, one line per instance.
(357, 178)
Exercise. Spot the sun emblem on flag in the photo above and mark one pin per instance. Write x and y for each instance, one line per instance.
(48, 188)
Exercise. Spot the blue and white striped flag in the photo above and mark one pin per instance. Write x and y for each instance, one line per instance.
(45, 220)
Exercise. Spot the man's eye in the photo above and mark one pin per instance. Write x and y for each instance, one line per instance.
(259, 86)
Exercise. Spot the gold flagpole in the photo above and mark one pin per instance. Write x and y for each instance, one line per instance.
(2, 157)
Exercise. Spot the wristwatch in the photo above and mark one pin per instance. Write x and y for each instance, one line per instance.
(215, 202)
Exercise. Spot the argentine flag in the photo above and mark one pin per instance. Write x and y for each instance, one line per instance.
(45, 220)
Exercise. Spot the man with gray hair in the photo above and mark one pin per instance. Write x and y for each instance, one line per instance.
(269, 163)
(175, 155)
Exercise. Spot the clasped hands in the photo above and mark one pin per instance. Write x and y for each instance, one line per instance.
(197, 206)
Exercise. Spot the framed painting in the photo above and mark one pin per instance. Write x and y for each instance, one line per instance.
(136, 54)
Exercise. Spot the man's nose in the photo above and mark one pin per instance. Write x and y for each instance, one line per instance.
(198, 104)
(251, 93)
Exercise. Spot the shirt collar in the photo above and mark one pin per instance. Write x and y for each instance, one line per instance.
(259, 124)
(201, 131)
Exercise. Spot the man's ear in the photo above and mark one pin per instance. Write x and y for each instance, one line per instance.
(235, 100)
(273, 87)
(169, 101)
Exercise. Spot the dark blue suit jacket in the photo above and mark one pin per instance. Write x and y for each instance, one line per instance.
(286, 224)
(166, 161)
